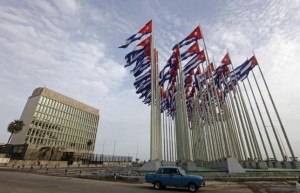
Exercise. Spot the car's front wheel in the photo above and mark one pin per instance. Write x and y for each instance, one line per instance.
(157, 185)
(192, 187)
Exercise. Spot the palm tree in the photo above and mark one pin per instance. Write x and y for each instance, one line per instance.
(15, 127)
(89, 143)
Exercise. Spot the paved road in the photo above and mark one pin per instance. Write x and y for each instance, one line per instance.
(14, 182)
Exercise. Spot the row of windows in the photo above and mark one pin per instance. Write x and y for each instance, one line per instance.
(57, 113)
(66, 108)
(65, 144)
(38, 126)
(71, 129)
(64, 122)
(60, 136)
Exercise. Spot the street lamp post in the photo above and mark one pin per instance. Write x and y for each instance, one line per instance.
(137, 150)
(114, 151)
(103, 150)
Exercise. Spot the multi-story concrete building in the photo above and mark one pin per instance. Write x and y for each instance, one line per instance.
(54, 120)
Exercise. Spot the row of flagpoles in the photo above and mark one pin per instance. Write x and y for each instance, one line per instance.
(199, 111)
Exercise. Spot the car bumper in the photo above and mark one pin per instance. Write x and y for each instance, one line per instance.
(203, 184)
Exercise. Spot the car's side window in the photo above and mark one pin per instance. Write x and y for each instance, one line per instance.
(174, 171)
(160, 171)
(166, 171)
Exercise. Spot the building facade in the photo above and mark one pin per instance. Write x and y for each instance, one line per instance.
(56, 121)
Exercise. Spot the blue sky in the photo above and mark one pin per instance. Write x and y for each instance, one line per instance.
(71, 47)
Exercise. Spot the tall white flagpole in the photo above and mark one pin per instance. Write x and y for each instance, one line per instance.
(277, 114)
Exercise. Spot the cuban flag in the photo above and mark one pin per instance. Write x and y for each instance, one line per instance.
(208, 71)
(143, 77)
(168, 76)
(133, 57)
(252, 62)
(173, 60)
(141, 62)
(141, 70)
(144, 31)
(141, 66)
(194, 62)
(235, 75)
(200, 81)
(194, 49)
(226, 59)
(188, 81)
(146, 86)
(142, 49)
(195, 35)
(171, 72)
(142, 82)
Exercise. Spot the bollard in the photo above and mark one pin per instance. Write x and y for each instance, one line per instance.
(80, 172)
(66, 170)
(115, 176)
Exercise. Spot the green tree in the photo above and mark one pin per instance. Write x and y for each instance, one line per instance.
(89, 143)
(15, 127)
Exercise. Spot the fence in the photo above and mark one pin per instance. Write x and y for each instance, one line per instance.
(100, 158)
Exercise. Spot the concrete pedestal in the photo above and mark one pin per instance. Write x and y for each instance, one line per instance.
(262, 165)
(270, 164)
(228, 164)
(252, 164)
(277, 164)
(246, 164)
(191, 166)
(286, 164)
(295, 164)
(151, 166)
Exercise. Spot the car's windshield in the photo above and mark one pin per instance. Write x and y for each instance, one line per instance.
(182, 172)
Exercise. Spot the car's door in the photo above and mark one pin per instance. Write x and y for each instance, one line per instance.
(176, 179)
(163, 175)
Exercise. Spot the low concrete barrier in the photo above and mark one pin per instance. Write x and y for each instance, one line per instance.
(4, 160)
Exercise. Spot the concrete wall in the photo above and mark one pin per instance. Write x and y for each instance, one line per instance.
(26, 116)
(17, 163)
(4, 160)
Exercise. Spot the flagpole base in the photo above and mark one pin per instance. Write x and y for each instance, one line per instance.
(151, 166)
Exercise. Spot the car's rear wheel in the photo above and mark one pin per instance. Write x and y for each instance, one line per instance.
(192, 187)
(157, 185)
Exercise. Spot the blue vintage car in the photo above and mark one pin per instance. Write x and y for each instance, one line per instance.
(176, 177)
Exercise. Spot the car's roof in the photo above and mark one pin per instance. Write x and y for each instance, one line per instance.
(176, 167)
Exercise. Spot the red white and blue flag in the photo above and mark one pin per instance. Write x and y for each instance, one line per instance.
(144, 31)
(141, 64)
(195, 35)
(194, 49)
(194, 62)
(247, 67)
(142, 49)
